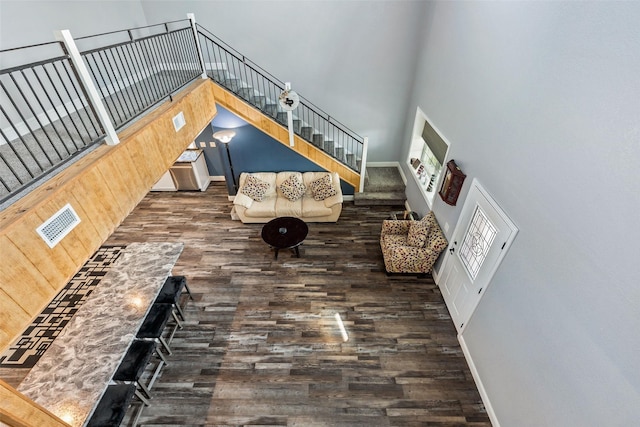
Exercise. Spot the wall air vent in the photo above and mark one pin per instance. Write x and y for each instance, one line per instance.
(59, 225)
(179, 121)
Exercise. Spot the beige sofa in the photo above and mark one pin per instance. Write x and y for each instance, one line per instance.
(310, 196)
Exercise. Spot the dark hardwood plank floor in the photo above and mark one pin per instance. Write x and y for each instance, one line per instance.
(261, 344)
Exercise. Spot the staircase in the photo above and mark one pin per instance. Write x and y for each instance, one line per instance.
(47, 125)
(382, 186)
(245, 80)
(309, 128)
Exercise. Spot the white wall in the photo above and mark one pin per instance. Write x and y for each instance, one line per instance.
(30, 22)
(354, 60)
(541, 103)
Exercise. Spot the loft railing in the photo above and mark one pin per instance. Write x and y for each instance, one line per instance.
(45, 120)
(137, 68)
(50, 113)
(235, 72)
(46, 114)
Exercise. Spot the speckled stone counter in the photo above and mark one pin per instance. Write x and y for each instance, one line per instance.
(72, 375)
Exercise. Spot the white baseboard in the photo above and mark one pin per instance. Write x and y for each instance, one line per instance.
(478, 380)
(217, 178)
(382, 164)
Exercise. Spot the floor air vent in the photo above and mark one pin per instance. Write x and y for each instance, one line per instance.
(59, 225)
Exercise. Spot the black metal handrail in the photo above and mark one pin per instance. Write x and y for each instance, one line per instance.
(137, 71)
(235, 72)
(44, 119)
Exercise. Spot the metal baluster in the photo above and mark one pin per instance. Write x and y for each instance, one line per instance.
(85, 105)
(24, 120)
(116, 87)
(131, 80)
(110, 106)
(66, 109)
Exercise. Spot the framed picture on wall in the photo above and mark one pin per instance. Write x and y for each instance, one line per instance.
(452, 183)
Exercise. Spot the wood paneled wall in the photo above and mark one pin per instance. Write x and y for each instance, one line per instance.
(231, 102)
(103, 188)
(18, 411)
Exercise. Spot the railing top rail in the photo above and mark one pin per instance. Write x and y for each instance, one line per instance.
(330, 119)
(164, 24)
(97, 49)
(32, 64)
(275, 80)
(28, 46)
(240, 56)
(29, 56)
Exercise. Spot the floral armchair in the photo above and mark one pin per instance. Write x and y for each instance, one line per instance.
(411, 246)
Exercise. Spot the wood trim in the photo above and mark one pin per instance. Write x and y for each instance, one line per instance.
(19, 411)
(231, 102)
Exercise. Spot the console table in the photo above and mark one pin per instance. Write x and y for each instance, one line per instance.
(72, 375)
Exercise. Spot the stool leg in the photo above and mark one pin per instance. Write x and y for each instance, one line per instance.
(144, 389)
(165, 345)
(180, 312)
(145, 402)
(161, 356)
(178, 322)
(188, 291)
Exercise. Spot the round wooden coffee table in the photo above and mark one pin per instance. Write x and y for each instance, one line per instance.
(286, 232)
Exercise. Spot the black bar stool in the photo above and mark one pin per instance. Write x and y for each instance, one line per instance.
(114, 404)
(156, 321)
(172, 291)
(135, 362)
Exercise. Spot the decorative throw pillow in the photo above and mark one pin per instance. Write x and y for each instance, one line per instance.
(322, 188)
(418, 231)
(254, 188)
(292, 188)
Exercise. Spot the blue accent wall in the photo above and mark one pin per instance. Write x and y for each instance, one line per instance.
(252, 150)
(206, 142)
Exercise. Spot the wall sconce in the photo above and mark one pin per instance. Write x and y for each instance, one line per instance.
(225, 137)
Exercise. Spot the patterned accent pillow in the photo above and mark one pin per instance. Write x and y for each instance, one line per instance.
(418, 231)
(254, 188)
(322, 188)
(437, 242)
(292, 188)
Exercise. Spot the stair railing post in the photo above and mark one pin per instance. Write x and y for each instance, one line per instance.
(192, 19)
(363, 165)
(91, 92)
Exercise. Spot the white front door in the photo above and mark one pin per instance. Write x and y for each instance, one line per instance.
(479, 242)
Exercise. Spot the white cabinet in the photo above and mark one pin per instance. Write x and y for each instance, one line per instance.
(165, 183)
(189, 172)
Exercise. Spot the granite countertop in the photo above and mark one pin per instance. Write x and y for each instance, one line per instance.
(72, 375)
(189, 156)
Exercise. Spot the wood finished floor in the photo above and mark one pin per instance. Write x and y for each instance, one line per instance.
(261, 345)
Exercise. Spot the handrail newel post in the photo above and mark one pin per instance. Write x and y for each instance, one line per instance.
(192, 20)
(363, 165)
(87, 85)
